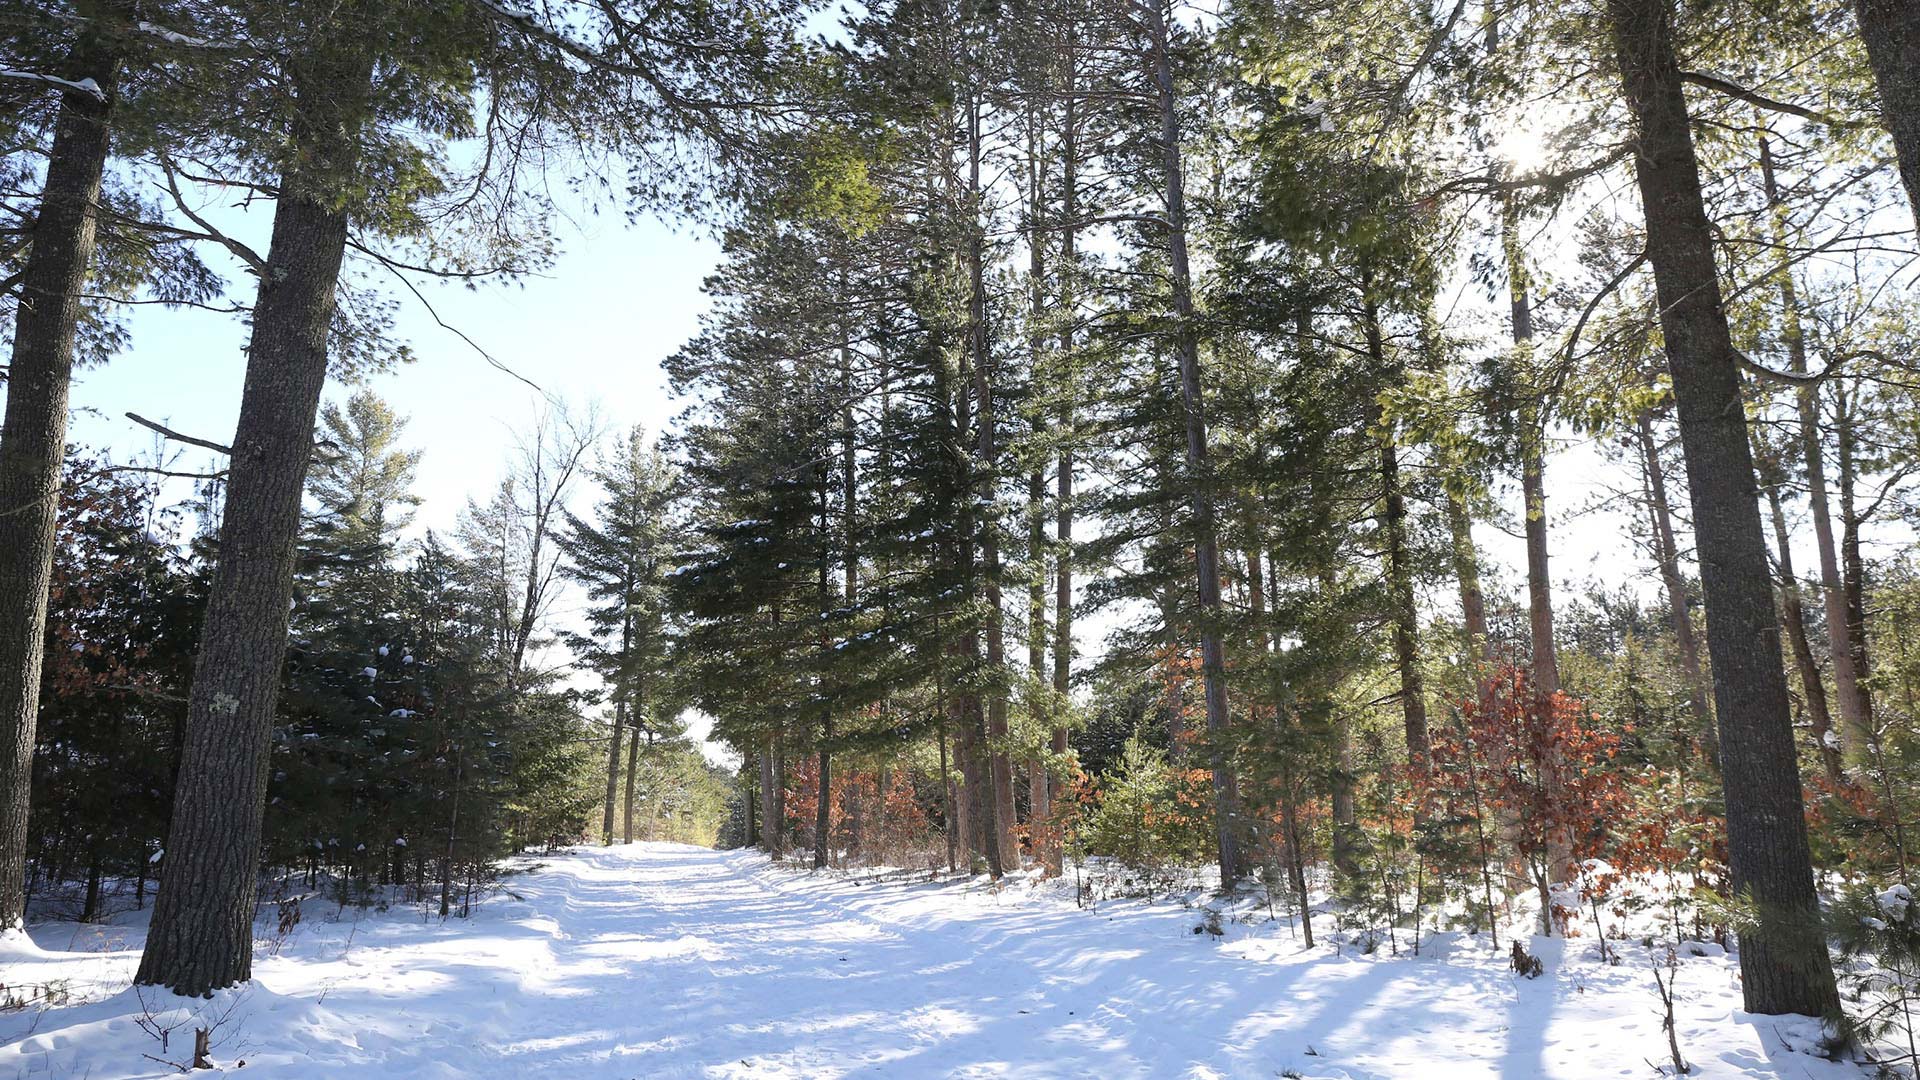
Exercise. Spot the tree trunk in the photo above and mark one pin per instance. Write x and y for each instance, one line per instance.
(1668, 551)
(1533, 464)
(1466, 570)
(769, 801)
(1283, 721)
(1784, 963)
(749, 774)
(823, 798)
(453, 833)
(999, 763)
(1213, 657)
(201, 937)
(973, 809)
(823, 791)
(1063, 478)
(633, 775)
(613, 769)
(856, 797)
(1891, 29)
(1793, 613)
(970, 806)
(1039, 785)
(1853, 568)
(90, 906)
(1533, 486)
(33, 440)
(1850, 695)
(1402, 609)
(779, 798)
(1346, 823)
(1406, 649)
(850, 558)
(951, 803)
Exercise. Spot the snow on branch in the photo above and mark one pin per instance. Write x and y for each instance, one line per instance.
(175, 37)
(85, 86)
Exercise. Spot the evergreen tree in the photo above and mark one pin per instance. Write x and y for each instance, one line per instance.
(622, 558)
(340, 153)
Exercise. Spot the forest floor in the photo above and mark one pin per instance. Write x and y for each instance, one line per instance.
(658, 960)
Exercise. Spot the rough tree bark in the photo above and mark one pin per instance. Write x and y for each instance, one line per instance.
(1039, 785)
(202, 931)
(974, 803)
(1784, 963)
(1891, 29)
(33, 440)
(949, 804)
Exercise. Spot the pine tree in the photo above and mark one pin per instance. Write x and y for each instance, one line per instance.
(1783, 959)
(340, 151)
(621, 558)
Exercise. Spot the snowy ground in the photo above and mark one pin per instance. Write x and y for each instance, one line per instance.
(657, 960)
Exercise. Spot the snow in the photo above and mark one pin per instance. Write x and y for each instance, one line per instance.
(85, 86)
(666, 961)
(511, 11)
(173, 36)
(1893, 903)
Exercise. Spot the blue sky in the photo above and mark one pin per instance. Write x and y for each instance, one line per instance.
(592, 329)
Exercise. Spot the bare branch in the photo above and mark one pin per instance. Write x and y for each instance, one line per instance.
(1789, 378)
(176, 436)
(153, 471)
(1573, 339)
(243, 252)
(394, 269)
(1740, 93)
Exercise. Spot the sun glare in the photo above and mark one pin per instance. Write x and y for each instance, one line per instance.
(1521, 147)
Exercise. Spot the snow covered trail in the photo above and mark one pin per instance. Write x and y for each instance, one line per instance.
(657, 960)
